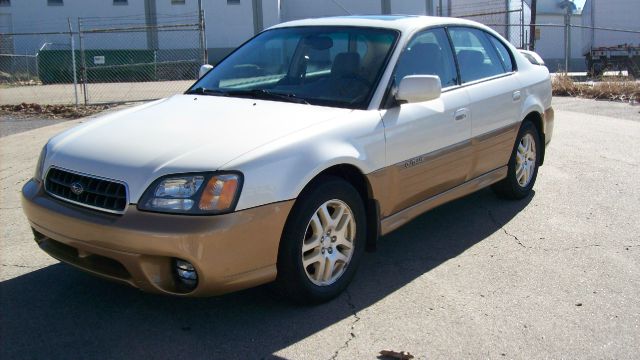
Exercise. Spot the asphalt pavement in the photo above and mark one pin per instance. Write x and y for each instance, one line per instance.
(555, 275)
(10, 124)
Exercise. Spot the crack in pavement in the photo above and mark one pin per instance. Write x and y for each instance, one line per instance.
(619, 160)
(21, 266)
(501, 227)
(571, 247)
(352, 334)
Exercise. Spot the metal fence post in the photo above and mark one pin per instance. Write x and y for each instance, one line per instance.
(567, 34)
(507, 20)
(26, 63)
(73, 62)
(532, 25)
(83, 64)
(522, 37)
(203, 34)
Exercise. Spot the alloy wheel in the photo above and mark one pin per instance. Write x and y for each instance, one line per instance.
(525, 160)
(328, 245)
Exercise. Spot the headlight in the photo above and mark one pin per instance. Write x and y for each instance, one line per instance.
(39, 166)
(193, 194)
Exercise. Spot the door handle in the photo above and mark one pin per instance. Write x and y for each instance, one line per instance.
(461, 114)
(517, 95)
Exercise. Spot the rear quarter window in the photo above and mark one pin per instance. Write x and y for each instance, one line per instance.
(503, 53)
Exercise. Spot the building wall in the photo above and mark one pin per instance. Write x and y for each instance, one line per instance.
(270, 12)
(413, 7)
(619, 14)
(37, 16)
(228, 25)
(550, 46)
(302, 9)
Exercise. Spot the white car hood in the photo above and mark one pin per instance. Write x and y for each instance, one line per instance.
(184, 133)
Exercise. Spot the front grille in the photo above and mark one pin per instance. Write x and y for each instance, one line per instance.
(96, 193)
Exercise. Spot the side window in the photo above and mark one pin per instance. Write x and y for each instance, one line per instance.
(428, 53)
(477, 58)
(503, 52)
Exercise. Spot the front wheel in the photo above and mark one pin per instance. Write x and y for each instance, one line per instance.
(322, 242)
(523, 164)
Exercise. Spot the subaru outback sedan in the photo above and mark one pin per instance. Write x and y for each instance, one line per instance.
(292, 155)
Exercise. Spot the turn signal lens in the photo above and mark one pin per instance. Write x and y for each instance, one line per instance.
(219, 194)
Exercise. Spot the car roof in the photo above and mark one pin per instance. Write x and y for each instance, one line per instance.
(397, 22)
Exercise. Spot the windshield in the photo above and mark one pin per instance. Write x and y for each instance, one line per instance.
(319, 65)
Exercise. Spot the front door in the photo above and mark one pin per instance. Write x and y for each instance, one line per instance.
(428, 143)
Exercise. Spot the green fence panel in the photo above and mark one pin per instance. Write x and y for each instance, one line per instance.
(119, 65)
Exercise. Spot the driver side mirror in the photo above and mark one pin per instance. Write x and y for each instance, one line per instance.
(418, 88)
(204, 69)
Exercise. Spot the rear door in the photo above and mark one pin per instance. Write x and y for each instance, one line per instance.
(488, 74)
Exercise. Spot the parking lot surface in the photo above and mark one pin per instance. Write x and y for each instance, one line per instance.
(553, 276)
(97, 93)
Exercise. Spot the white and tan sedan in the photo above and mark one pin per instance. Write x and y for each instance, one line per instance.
(292, 155)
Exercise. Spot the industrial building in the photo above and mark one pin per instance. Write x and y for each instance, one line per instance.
(231, 22)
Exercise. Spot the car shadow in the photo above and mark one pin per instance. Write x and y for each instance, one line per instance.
(60, 312)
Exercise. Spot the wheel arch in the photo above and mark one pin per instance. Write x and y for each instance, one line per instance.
(535, 117)
(354, 176)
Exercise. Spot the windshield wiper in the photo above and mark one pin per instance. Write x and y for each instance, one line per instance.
(266, 94)
(205, 91)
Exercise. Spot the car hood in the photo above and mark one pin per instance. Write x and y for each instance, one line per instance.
(183, 133)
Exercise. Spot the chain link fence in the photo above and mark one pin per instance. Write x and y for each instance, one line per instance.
(506, 18)
(20, 69)
(110, 60)
(103, 60)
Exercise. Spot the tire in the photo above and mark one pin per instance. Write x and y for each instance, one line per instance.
(521, 177)
(333, 242)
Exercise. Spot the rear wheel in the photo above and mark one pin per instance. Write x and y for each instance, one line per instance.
(322, 243)
(523, 164)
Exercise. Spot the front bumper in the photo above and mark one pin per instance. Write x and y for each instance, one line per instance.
(229, 252)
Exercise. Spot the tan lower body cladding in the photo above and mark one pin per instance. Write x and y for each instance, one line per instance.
(230, 252)
(407, 189)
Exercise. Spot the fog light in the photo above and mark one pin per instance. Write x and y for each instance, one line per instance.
(186, 273)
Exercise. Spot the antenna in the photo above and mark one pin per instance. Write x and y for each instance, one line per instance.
(342, 7)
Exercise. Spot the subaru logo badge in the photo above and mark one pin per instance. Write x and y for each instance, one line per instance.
(77, 188)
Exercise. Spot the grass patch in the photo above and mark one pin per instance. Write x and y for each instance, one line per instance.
(615, 89)
(52, 111)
